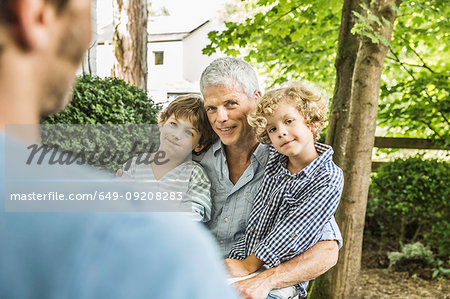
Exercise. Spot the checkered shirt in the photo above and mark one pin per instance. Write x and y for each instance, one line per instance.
(290, 210)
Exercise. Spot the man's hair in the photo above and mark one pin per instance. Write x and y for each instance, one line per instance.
(191, 107)
(229, 70)
(6, 15)
(308, 100)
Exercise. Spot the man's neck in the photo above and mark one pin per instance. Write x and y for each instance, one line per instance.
(239, 158)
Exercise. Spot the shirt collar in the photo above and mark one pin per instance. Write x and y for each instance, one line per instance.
(260, 154)
(217, 146)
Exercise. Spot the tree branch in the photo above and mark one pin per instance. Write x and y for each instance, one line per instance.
(410, 64)
(431, 128)
(418, 56)
(427, 95)
(286, 13)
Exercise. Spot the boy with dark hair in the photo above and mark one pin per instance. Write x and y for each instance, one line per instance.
(184, 130)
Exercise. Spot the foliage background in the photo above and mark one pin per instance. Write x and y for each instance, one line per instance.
(297, 39)
(105, 117)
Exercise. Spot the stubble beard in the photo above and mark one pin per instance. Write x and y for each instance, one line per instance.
(70, 50)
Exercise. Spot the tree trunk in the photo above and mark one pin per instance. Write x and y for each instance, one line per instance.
(339, 127)
(130, 41)
(352, 135)
(348, 44)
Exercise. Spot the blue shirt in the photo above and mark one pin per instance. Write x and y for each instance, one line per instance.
(232, 203)
(104, 255)
(291, 210)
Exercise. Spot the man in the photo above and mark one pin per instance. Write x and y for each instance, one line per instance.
(235, 164)
(79, 255)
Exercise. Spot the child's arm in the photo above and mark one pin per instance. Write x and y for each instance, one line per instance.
(300, 229)
(199, 193)
(238, 268)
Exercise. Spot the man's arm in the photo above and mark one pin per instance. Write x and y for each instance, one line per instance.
(307, 266)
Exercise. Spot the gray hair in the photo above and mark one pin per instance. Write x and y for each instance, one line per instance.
(229, 70)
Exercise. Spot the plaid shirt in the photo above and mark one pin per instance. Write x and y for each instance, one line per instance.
(290, 210)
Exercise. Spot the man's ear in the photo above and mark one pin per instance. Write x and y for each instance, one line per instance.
(33, 23)
(198, 148)
(257, 94)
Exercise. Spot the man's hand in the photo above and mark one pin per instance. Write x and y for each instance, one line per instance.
(307, 266)
(254, 288)
(236, 268)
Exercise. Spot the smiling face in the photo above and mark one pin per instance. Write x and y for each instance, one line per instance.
(227, 107)
(289, 133)
(179, 138)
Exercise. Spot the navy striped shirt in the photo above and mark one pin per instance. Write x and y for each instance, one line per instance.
(291, 210)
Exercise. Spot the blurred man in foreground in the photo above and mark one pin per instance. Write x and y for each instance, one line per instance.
(80, 255)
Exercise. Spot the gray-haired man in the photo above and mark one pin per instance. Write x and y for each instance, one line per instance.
(236, 164)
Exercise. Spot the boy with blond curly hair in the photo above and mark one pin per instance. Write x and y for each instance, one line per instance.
(301, 188)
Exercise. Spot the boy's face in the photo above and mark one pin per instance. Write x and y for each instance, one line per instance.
(179, 137)
(289, 133)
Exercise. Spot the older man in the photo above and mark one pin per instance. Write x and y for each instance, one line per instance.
(84, 255)
(235, 164)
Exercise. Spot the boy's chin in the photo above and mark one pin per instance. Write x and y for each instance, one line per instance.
(177, 153)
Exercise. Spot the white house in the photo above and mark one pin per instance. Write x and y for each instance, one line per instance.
(175, 59)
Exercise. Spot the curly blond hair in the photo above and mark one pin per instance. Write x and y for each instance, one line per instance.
(309, 101)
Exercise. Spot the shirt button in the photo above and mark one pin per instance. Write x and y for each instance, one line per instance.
(293, 235)
(255, 231)
(286, 177)
(268, 203)
(225, 219)
(221, 241)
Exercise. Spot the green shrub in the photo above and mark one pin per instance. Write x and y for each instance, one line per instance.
(411, 252)
(126, 111)
(409, 201)
(106, 101)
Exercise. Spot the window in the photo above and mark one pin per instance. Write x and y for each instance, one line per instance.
(159, 57)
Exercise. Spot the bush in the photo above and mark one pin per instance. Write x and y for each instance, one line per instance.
(127, 112)
(411, 252)
(415, 259)
(106, 101)
(409, 201)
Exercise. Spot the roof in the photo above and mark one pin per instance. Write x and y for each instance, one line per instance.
(165, 28)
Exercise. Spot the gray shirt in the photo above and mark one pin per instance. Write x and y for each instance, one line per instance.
(232, 203)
